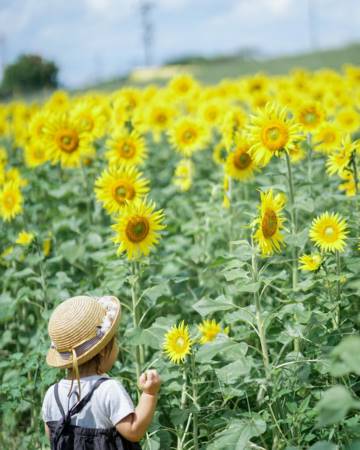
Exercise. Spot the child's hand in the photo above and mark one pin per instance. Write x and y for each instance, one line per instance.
(149, 382)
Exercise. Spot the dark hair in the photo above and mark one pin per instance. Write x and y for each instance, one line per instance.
(98, 358)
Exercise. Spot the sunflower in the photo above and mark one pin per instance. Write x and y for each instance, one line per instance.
(129, 98)
(126, 148)
(220, 154)
(59, 100)
(328, 232)
(209, 329)
(310, 116)
(158, 118)
(240, 163)
(310, 262)
(233, 124)
(4, 126)
(188, 134)
(66, 143)
(89, 119)
(119, 185)
(327, 138)
(138, 229)
(349, 183)
(212, 112)
(3, 156)
(270, 132)
(339, 160)
(227, 191)
(13, 175)
(177, 344)
(270, 223)
(37, 125)
(11, 201)
(297, 153)
(35, 154)
(46, 245)
(184, 174)
(183, 85)
(24, 238)
(348, 119)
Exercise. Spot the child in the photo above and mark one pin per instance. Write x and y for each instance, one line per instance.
(96, 413)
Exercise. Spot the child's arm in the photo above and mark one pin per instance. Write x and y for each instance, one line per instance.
(47, 431)
(134, 426)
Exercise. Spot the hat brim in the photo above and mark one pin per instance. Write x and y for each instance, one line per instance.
(55, 359)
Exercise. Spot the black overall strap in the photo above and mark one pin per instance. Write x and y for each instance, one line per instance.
(57, 398)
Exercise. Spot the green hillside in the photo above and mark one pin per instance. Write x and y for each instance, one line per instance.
(214, 69)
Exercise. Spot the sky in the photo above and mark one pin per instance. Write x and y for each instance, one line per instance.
(94, 40)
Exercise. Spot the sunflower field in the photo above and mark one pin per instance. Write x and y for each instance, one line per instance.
(226, 219)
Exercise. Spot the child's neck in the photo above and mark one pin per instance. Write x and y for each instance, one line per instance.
(83, 372)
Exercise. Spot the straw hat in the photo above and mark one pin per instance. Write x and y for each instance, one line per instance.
(80, 328)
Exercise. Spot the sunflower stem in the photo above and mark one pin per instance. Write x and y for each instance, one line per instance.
(310, 155)
(135, 315)
(356, 181)
(88, 193)
(197, 407)
(356, 175)
(259, 319)
(293, 222)
(338, 290)
(181, 435)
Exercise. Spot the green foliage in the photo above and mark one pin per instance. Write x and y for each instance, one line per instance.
(29, 73)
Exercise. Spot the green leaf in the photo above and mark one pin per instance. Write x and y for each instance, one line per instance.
(238, 434)
(208, 351)
(157, 291)
(23, 273)
(243, 315)
(324, 445)
(207, 306)
(235, 274)
(334, 405)
(230, 373)
(346, 357)
(249, 287)
(71, 251)
(7, 308)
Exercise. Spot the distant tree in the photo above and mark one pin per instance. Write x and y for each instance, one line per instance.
(29, 73)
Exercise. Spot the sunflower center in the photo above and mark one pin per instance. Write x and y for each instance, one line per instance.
(9, 201)
(180, 342)
(38, 153)
(87, 123)
(269, 223)
(67, 140)
(310, 117)
(275, 136)
(188, 136)
(137, 229)
(123, 191)
(127, 150)
(242, 160)
(329, 137)
(329, 232)
(184, 87)
(161, 118)
(211, 115)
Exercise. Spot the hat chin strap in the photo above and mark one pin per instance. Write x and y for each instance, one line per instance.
(75, 368)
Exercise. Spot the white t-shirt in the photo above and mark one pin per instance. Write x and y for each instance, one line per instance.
(109, 403)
